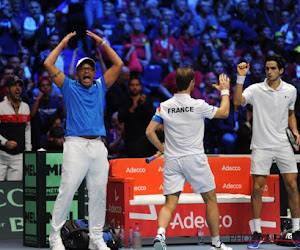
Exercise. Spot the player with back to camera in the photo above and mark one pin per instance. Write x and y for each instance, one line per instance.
(84, 153)
(183, 119)
(273, 102)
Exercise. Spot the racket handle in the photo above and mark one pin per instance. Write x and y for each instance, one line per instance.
(149, 159)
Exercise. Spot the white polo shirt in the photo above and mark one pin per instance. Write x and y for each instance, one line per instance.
(270, 113)
(183, 119)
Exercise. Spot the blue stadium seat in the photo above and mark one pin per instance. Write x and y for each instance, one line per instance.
(152, 76)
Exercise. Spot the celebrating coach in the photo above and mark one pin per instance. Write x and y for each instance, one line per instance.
(84, 154)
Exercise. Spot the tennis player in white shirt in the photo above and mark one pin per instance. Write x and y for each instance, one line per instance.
(185, 160)
(273, 103)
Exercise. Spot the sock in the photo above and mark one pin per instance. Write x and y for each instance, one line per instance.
(257, 226)
(295, 224)
(161, 231)
(216, 241)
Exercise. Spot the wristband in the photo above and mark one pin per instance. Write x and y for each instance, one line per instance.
(102, 44)
(162, 152)
(225, 92)
(240, 79)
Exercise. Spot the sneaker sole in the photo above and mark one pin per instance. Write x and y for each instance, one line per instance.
(159, 246)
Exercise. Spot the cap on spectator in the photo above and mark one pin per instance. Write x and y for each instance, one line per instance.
(13, 80)
(88, 60)
(278, 33)
(56, 132)
(41, 78)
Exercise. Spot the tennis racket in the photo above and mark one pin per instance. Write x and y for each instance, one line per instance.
(292, 138)
(153, 157)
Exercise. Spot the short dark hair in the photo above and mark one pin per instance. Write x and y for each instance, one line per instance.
(133, 77)
(184, 76)
(278, 59)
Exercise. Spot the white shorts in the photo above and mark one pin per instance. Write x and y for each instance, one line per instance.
(191, 168)
(261, 160)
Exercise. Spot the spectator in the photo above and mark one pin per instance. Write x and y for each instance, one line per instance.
(56, 139)
(7, 71)
(26, 67)
(204, 17)
(52, 43)
(169, 87)
(187, 43)
(115, 138)
(140, 42)
(269, 16)
(136, 113)
(43, 108)
(153, 17)
(175, 61)
(162, 47)
(203, 63)
(32, 22)
(93, 10)
(15, 135)
(49, 27)
(218, 68)
(121, 31)
(117, 95)
(10, 30)
(182, 13)
(109, 20)
(174, 24)
(229, 62)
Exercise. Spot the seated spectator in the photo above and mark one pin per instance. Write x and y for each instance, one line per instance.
(10, 30)
(52, 43)
(211, 95)
(42, 34)
(183, 14)
(175, 61)
(32, 22)
(56, 139)
(203, 63)
(229, 63)
(152, 17)
(204, 17)
(25, 57)
(218, 68)
(174, 24)
(187, 43)
(162, 47)
(269, 15)
(169, 87)
(140, 42)
(121, 31)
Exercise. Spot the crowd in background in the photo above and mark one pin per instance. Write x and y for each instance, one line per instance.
(153, 38)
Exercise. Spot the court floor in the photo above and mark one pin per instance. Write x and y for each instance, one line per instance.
(18, 244)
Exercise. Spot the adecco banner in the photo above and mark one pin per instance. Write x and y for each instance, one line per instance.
(232, 174)
(11, 210)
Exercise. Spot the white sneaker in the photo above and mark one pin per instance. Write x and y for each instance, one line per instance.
(58, 246)
(221, 247)
(98, 245)
(159, 242)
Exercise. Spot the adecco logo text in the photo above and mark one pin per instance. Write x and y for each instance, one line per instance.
(232, 186)
(193, 221)
(160, 169)
(231, 168)
(135, 170)
(140, 188)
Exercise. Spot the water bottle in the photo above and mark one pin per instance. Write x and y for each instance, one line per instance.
(130, 238)
(117, 228)
(137, 240)
(200, 236)
(122, 236)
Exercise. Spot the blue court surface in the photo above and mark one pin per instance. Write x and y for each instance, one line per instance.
(18, 244)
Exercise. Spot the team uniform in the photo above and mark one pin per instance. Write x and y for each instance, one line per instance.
(270, 119)
(183, 119)
(16, 128)
(83, 157)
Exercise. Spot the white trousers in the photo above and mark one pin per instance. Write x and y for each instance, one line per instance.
(11, 167)
(82, 158)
